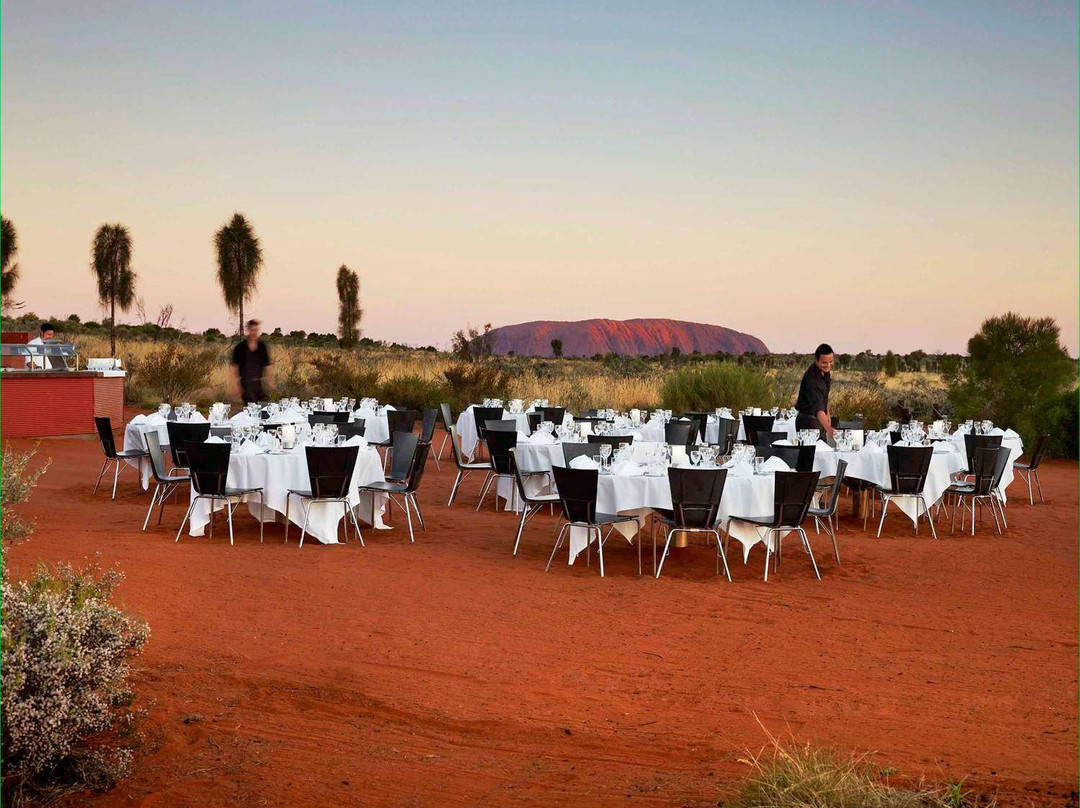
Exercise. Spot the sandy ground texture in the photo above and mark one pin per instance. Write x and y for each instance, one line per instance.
(450, 673)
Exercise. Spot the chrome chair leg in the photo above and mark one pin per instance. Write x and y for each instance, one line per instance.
(416, 507)
(262, 509)
(1038, 484)
(228, 512)
(484, 489)
(356, 527)
(187, 516)
(116, 476)
(926, 511)
(558, 544)
(521, 527)
(442, 448)
(153, 502)
(307, 515)
(806, 544)
(663, 555)
(408, 518)
(884, 507)
(105, 466)
(721, 556)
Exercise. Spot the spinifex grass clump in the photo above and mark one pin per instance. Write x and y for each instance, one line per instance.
(724, 384)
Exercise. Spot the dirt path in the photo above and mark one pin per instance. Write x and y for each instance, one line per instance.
(451, 673)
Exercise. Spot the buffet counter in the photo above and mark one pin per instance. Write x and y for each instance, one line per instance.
(38, 403)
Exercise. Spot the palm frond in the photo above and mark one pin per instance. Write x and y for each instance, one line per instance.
(239, 261)
(111, 265)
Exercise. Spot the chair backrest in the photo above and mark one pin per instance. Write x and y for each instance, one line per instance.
(224, 432)
(699, 418)
(447, 416)
(680, 433)
(157, 458)
(574, 450)
(1003, 455)
(105, 434)
(404, 447)
(611, 440)
(894, 436)
(1039, 451)
(401, 420)
(328, 417)
(330, 470)
(834, 490)
(209, 466)
(416, 473)
(798, 458)
(519, 479)
(180, 434)
(577, 493)
(553, 414)
(726, 431)
(975, 442)
(752, 424)
(695, 495)
(792, 495)
(483, 414)
(908, 466)
(534, 420)
(503, 425)
(427, 423)
(459, 461)
(352, 429)
(499, 445)
(768, 438)
(988, 466)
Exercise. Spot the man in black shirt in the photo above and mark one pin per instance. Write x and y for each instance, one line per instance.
(251, 363)
(813, 401)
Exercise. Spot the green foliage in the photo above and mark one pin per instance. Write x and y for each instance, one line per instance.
(557, 348)
(17, 482)
(1017, 368)
(848, 400)
(470, 345)
(9, 247)
(412, 392)
(723, 384)
(111, 266)
(340, 375)
(1059, 419)
(468, 383)
(213, 335)
(172, 372)
(349, 311)
(66, 651)
(891, 364)
(239, 261)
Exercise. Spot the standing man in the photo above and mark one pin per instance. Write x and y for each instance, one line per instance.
(251, 363)
(813, 401)
(46, 333)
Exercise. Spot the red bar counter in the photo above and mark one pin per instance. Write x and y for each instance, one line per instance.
(39, 403)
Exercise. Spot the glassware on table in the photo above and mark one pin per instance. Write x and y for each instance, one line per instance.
(605, 452)
(759, 465)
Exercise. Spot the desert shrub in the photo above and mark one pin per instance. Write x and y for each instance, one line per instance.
(337, 375)
(1016, 368)
(171, 372)
(468, 383)
(792, 776)
(65, 703)
(722, 384)
(848, 400)
(412, 392)
(17, 481)
(1059, 419)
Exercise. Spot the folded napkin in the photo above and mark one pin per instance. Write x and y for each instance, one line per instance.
(871, 448)
(738, 468)
(215, 439)
(1010, 433)
(627, 468)
(540, 439)
(678, 455)
(822, 446)
(775, 464)
(784, 442)
(583, 462)
(249, 448)
(357, 440)
(139, 419)
(943, 447)
(997, 431)
(155, 418)
(197, 418)
(242, 419)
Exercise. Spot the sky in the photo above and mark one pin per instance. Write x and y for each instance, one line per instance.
(875, 175)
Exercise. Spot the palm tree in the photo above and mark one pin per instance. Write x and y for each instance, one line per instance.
(349, 311)
(239, 259)
(9, 247)
(112, 266)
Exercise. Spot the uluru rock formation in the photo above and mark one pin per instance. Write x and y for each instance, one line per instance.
(642, 337)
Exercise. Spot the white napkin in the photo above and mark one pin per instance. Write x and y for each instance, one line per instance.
(249, 448)
(197, 418)
(822, 446)
(871, 448)
(214, 439)
(155, 418)
(738, 468)
(583, 462)
(242, 419)
(943, 447)
(627, 468)
(997, 431)
(357, 440)
(678, 455)
(139, 419)
(775, 464)
(540, 439)
(1010, 433)
(784, 442)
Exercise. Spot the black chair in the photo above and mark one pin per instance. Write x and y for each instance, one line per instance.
(396, 421)
(108, 446)
(481, 415)
(534, 420)
(533, 503)
(611, 440)
(352, 429)
(702, 421)
(768, 438)
(406, 488)
(328, 417)
(695, 504)
(448, 421)
(1031, 468)
(972, 443)
(464, 469)
(428, 420)
(798, 458)
(402, 449)
(680, 433)
(828, 511)
(572, 451)
(577, 495)
(180, 434)
(792, 496)
(223, 432)
(330, 473)
(727, 429)
(209, 468)
(500, 444)
(165, 484)
(908, 467)
(752, 424)
(989, 466)
(895, 436)
(502, 425)
(553, 414)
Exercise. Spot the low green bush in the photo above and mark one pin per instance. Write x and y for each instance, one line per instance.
(340, 375)
(470, 382)
(172, 372)
(17, 481)
(722, 384)
(412, 392)
(1059, 419)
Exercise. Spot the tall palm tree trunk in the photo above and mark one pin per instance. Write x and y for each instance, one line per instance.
(112, 324)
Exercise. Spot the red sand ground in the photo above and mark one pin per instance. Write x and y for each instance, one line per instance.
(451, 673)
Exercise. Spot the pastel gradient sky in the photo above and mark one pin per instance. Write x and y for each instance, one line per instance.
(872, 174)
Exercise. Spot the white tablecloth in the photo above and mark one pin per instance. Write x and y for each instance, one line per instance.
(1012, 442)
(276, 474)
(779, 425)
(466, 428)
(133, 439)
(376, 427)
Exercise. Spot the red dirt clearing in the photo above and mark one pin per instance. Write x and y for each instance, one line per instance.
(451, 673)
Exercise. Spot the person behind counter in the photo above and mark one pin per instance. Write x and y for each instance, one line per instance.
(46, 333)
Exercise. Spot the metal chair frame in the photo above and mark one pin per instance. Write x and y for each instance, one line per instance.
(316, 494)
(777, 528)
(682, 508)
(165, 484)
(108, 446)
(227, 497)
(534, 503)
(588, 502)
(463, 469)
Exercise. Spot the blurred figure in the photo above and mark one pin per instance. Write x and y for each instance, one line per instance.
(813, 401)
(253, 373)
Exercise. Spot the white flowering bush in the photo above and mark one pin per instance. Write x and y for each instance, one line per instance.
(65, 701)
(17, 481)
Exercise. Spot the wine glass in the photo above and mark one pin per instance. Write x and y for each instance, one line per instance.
(605, 453)
(695, 457)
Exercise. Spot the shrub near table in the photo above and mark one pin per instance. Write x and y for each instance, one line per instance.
(723, 384)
